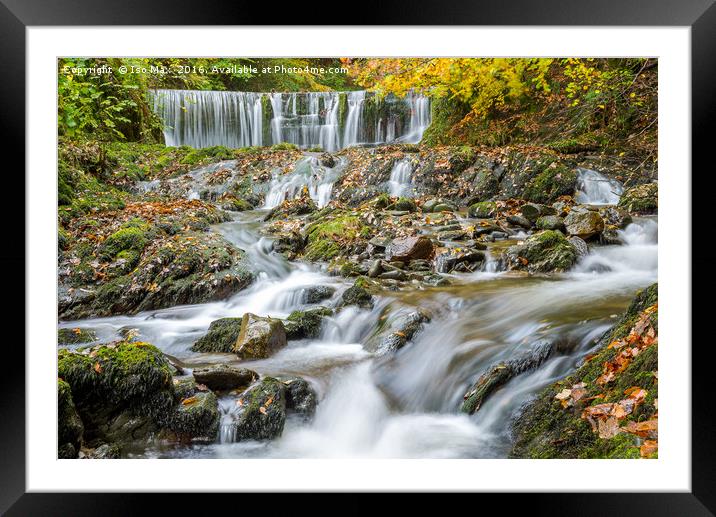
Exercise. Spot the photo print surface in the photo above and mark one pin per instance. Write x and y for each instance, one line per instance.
(357, 258)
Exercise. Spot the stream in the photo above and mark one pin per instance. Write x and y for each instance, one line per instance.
(402, 405)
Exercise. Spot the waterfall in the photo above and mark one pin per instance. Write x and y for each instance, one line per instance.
(419, 117)
(399, 183)
(594, 188)
(207, 118)
(306, 119)
(309, 173)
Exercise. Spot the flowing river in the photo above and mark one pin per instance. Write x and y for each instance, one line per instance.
(403, 405)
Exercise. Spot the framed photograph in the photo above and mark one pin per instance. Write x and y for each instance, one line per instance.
(424, 258)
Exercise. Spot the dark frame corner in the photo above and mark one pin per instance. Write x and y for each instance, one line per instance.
(700, 15)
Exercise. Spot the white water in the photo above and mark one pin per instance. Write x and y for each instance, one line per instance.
(400, 178)
(310, 119)
(405, 404)
(594, 188)
(308, 173)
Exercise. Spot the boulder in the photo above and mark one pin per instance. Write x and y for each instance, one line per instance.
(444, 207)
(317, 293)
(69, 424)
(545, 251)
(616, 217)
(300, 397)
(550, 222)
(405, 204)
(356, 295)
(446, 259)
(520, 220)
(483, 210)
(402, 326)
(306, 324)
(263, 411)
(410, 248)
(259, 337)
(221, 336)
(641, 199)
(224, 377)
(533, 211)
(121, 391)
(580, 245)
(196, 418)
(584, 223)
(75, 336)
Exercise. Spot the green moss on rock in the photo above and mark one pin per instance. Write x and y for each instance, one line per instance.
(221, 336)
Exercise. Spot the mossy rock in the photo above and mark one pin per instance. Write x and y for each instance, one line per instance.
(545, 429)
(221, 336)
(325, 236)
(545, 251)
(405, 204)
(121, 391)
(306, 324)
(641, 199)
(132, 236)
(550, 222)
(301, 398)
(196, 418)
(76, 336)
(483, 210)
(255, 423)
(555, 180)
(69, 424)
(224, 377)
(234, 204)
(358, 296)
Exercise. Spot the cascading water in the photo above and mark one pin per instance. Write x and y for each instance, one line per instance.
(400, 178)
(594, 188)
(309, 119)
(404, 404)
(207, 118)
(308, 173)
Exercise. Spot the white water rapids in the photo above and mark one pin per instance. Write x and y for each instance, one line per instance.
(405, 405)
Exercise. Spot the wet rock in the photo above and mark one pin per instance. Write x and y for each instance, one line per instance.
(263, 413)
(550, 222)
(288, 242)
(196, 418)
(75, 336)
(402, 326)
(405, 204)
(327, 160)
(584, 223)
(447, 259)
(393, 275)
(499, 374)
(483, 210)
(306, 324)
(444, 207)
(301, 398)
(641, 199)
(561, 207)
(610, 236)
(533, 211)
(259, 337)
(224, 377)
(521, 221)
(375, 269)
(221, 336)
(614, 216)
(69, 424)
(580, 246)
(410, 248)
(430, 205)
(122, 392)
(104, 451)
(291, 208)
(455, 235)
(317, 293)
(356, 295)
(234, 204)
(545, 251)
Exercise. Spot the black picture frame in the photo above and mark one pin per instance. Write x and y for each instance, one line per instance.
(17, 15)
